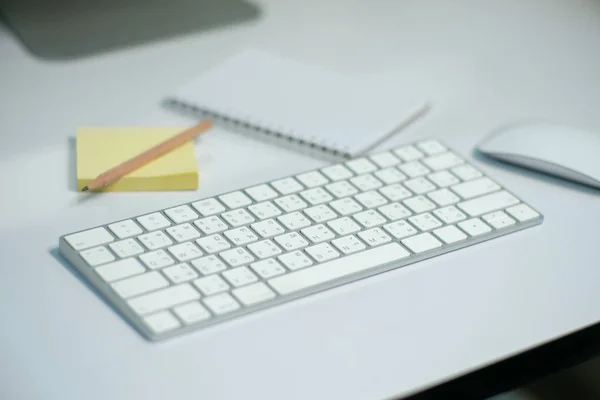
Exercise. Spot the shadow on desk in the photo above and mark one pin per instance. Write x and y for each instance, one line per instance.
(67, 29)
(580, 382)
(535, 174)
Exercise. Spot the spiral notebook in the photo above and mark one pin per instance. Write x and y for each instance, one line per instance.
(298, 104)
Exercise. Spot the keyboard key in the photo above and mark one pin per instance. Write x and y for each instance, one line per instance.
(346, 206)
(236, 257)
(183, 232)
(414, 169)
(320, 213)
(396, 192)
(332, 270)
(449, 214)
(322, 252)
(235, 199)
(127, 248)
(221, 303)
(312, 179)
(139, 284)
(191, 313)
(443, 197)
(211, 284)
(419, 204)
(488, 203)
(268, 228)
(443, 178)
(341, 189)
(120, 269)
(241, 236)
(97, 255)
(237, 217)
(408, 153)
(466, 172)
(348, 244)
(366, 182)
(152, 241)
(180, 273)
(154, 221)
(264, 210)
(267, 268)
(294, 221)
(164, 298)
(450, 234)
(89, 238)
(318, 233)
(390, 175)
(499, 219)
(239, 276)
(474, 227)
(400, 229)
(422, 243)
(211, 225)
(253, 294)
(295, 260)
(291, 241)
(337, 172)
(316, 196)
(181, 214)
(474, 188)
(431, 147)
(156, 259)
(425, 221)
(385, 159)
(185, 251)
(420, 185)
(208, 207)
(394, 211)
(261, 193)
(370, 199)
(208, 265)
(523, 212)
(125, 229)
(264, 249)
(443, 161)
(287, 186)
(213, 243)
(344, 226)
(162, 322)
(369, 218)
(374, 237)
(291, 203)
(361, 166)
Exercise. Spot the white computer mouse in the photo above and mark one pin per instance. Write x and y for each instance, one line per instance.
(559, 150)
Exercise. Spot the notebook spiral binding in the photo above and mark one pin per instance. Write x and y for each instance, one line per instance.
(328, 151)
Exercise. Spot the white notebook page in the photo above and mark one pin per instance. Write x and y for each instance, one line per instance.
(304, 101)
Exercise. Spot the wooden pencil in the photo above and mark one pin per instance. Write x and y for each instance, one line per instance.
(142, 159)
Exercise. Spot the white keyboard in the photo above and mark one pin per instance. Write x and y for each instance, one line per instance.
(193, 265)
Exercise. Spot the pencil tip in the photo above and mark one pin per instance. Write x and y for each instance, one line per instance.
(85, 189)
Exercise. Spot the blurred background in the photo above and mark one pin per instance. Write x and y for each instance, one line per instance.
(71, 29)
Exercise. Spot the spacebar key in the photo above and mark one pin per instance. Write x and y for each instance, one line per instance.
(488, 203)
(338, 268)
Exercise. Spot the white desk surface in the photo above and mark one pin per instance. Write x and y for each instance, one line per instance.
(481, 63)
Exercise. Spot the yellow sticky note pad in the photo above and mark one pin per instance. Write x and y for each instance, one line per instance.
(101, 148)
